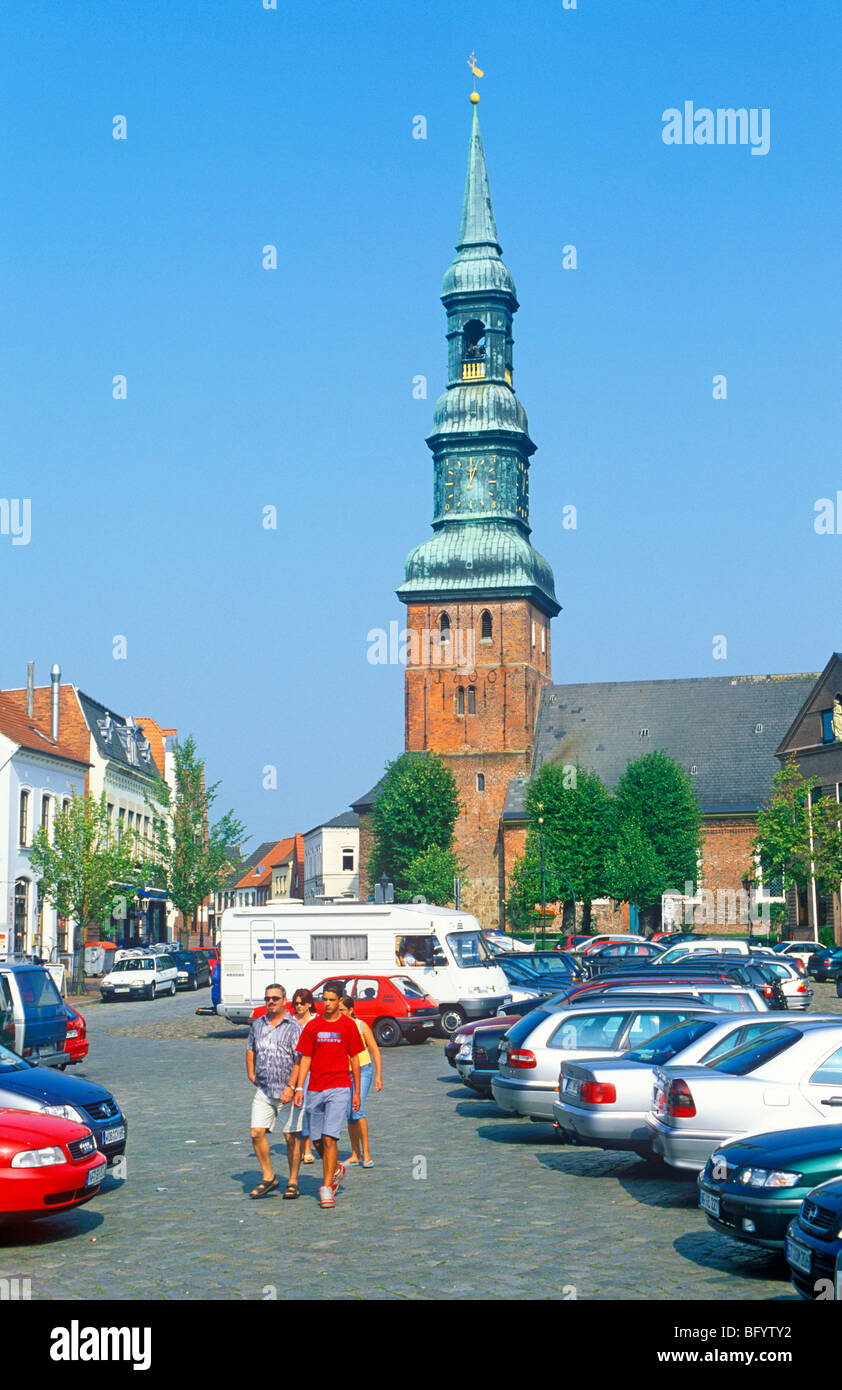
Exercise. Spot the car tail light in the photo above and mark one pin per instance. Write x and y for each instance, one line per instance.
(768, 991)
(599, 1092)
(680, 1102)
(799, 965)
(802, 988)
(521, 1059)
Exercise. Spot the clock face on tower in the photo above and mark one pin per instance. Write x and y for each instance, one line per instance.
(483, 484)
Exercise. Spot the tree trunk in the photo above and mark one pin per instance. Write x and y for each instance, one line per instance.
(586, 918)
(650, 919)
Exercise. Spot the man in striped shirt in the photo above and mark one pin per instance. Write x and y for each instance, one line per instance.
(270, 1058)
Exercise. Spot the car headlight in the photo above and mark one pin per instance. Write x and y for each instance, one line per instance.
(762, 1177)
(64, 1112)
(38, 1158)
(459, 1039)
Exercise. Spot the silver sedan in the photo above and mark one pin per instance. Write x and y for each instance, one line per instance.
(605, 1103)
(789, 1078)
(530, 1053)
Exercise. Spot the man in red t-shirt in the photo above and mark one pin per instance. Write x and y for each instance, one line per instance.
(329, 1048)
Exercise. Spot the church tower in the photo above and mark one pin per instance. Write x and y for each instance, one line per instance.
(479, 597)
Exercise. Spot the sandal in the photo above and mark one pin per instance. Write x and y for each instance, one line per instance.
(308, 1158)
(292, 1192)
(264, 1188)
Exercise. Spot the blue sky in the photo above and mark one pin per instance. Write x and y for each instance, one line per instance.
(292, 388)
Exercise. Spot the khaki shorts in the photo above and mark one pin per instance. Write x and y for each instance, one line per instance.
(265, 1111)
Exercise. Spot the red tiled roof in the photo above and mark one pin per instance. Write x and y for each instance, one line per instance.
(28, 733)
(260, 874)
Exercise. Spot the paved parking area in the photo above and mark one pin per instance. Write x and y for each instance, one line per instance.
(463, 1202)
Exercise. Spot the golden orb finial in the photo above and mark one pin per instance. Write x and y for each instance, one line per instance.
(474, 97)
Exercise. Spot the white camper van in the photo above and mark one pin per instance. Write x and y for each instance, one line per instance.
(297, 945)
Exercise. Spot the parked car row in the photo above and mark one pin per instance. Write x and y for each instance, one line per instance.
(699, 1074)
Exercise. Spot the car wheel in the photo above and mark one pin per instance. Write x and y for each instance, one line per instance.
(150, 992)
(416, 1035)
(386, 1032)
(451, 1019)
(195, 984)
(172, 989)
(839, 986)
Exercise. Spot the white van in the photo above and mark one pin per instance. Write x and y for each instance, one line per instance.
(683, 951)
(297, 945)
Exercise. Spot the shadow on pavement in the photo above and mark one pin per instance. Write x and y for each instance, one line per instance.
(477, 1109)
(518, 1132)
(66, 1226)
(711, 1251)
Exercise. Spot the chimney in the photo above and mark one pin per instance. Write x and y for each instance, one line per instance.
(30, 689)
(55, 677)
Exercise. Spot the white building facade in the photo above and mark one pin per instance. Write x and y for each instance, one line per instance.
(35, 786)
(332, 859)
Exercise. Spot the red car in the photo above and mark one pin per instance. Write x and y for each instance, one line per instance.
(393, 1006)
(46, 1164)
(211, 954)
(76, 1041)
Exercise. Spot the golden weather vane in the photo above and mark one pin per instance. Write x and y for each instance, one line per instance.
(478, 72)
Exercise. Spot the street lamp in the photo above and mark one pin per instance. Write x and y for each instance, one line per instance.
(543, 881)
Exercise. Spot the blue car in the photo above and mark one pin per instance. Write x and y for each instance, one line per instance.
(24, 1087)
(814, 1240)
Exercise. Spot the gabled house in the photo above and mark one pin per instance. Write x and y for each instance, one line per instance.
(814, 739)
(38, 776)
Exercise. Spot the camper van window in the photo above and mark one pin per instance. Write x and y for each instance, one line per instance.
(468, 948)
(415, 950)
(338, 948)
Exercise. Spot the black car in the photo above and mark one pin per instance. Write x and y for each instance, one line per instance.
(25, 1087)
(193, 969)
(617, 956)
(814, 1241)
(483, 1063)
(825, 965)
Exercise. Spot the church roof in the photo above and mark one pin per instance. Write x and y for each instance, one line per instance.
(484, 560)
(723, 730)
(478, 266)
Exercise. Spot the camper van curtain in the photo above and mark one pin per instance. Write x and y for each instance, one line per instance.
(338, 948)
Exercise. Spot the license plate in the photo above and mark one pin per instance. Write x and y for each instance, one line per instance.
(799, 1256)
(46, 1049)
(121, 989)
(96, 1175)
(709, 1202)
(570, 1087)
(111, 1136)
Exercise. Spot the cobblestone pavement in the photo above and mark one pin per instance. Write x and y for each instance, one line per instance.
(463, 1201)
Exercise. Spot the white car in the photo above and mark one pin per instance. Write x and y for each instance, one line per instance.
(796, 990)
(141, 976)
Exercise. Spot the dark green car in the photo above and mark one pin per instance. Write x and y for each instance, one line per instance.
(751, 1188)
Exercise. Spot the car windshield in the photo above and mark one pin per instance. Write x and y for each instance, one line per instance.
(468, 948)
(408, 988)
(38, 992)
(182, 957)
(751, 1055)
(668, 1043)
(136, 963)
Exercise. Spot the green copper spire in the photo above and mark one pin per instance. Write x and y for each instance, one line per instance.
(480, 440)
(478, 225)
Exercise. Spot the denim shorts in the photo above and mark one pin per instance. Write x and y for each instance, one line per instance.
(326, 1112)
(366, 1078)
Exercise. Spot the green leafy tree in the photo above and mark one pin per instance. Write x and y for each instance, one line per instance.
(575, 809)
(86, 871)
(658, 834)
(193, 857)
(826, 817)
(783, 828)
(430, 876)
(415, 812)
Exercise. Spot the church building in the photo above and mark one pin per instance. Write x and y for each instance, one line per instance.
(480, 600)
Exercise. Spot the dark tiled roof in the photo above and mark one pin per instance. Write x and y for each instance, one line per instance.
(726, 727)
(257, 857)
(112, 734)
